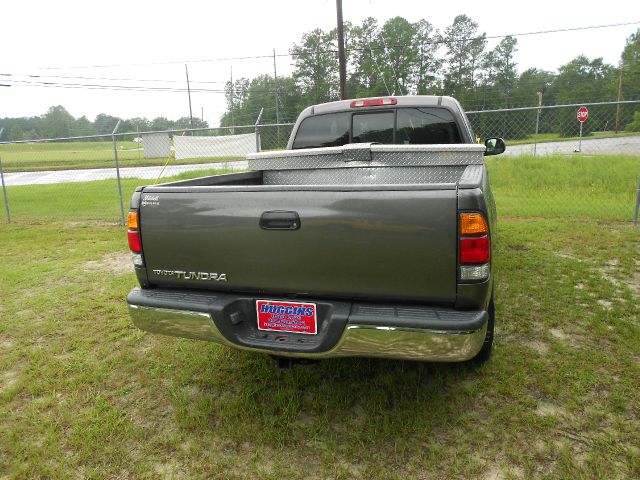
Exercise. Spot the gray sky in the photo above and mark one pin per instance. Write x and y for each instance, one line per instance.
(46, 38)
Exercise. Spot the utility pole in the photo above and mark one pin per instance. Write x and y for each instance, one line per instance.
(202, 113)
(186, 71)
(619, 96)
(343, 65)
(232, 95)
(275, 80)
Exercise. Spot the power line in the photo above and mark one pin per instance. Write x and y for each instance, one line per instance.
(143, 88)
(177, 89)
(90, 86)
(98, 86)
(8, 77)
(375, 62)
(315, 52)
(66, 77)
(479, 89)
(393, 69)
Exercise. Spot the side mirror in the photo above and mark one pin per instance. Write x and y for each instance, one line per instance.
(495, 146)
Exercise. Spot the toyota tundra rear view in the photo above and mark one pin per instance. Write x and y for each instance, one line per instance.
(371, 235)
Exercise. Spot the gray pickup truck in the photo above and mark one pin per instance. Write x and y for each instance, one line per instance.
(369, 236)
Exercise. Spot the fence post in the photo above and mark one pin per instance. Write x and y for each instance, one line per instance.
(535, 139)
(115, 154)
(256, 129)
(4, 188)
(635, 215)
(4, 191)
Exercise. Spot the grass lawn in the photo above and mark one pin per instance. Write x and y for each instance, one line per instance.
(77, 155)
(85, 394)
(92, 201)
(555, 137)
(73, 155)
(602, 187)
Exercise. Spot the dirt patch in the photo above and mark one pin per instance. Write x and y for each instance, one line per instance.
(567, 339)
(169, 470)
(494, 474)
(546, 409)
(575, 443)
(497, 473)
(8, 379)
(612, 280)
(92, 223)
(559, 334)
(606, 304)
(634, 284)
(568, 256)
(538, 346)
(114, 263)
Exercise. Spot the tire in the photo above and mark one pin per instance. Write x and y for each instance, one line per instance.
(485, 352)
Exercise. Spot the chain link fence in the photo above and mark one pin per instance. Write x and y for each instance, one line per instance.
(548, 170)
(555, 129)
(557, 166)
(81, 178)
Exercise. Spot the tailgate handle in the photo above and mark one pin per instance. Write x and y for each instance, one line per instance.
(280, 220)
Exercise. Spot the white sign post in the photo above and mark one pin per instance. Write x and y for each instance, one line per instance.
(581, 115)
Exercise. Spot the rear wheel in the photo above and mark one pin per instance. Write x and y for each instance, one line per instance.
(485, 352)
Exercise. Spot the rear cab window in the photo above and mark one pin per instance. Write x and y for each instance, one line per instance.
(373, 127)
(426, 126)
(330, 130)
(409, 126)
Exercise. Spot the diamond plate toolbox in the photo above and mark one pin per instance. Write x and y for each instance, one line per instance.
(366, 163)
(369, 155)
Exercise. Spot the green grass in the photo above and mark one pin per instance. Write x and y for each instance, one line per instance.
(75, 155)
(83, 393)
(555, 137)
(601, 187)
(81, 201)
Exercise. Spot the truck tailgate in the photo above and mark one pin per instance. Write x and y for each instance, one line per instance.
(356, 243)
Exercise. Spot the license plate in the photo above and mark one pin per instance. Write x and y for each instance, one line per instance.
(291, 317)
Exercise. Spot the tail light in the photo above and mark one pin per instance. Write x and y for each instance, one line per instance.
(474, 250)
(134, 241)
(473, 224)
(133, 235)
(133, 221)
(373, 102)
(475, 247)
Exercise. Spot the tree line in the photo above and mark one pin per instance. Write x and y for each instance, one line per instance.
(396, 58)
(401, 57)
(57, 122)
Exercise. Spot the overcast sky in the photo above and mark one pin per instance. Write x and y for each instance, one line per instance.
(47, 38)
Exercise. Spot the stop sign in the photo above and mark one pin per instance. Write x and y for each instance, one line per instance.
(583, 114)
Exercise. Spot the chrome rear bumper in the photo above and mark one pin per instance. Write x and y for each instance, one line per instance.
(357, 340)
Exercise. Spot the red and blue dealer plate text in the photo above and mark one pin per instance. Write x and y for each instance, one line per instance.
(287, 317)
